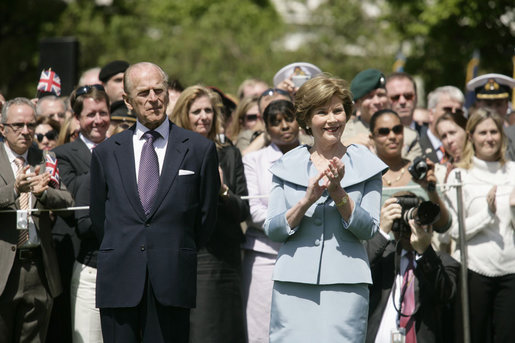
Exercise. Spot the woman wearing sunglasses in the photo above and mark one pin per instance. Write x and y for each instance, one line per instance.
(386, 131)
(46, 133)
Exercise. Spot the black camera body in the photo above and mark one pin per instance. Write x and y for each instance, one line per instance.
(418, 170)
(424, 213)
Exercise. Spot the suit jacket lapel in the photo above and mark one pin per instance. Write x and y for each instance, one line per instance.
(175, 152)
(82, 151)
(124, 155)
(6, 171)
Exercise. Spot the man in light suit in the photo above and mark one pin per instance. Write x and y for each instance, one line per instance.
(150, 232)
(29, 275)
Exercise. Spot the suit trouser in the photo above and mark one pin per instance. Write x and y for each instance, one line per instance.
(25, 304)
(492, 308)
(149, 322)
(86, 326)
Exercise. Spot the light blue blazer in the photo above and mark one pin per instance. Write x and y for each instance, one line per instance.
(324, 248)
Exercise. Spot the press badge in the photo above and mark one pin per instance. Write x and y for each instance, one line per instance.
(398, 335)
(22, 220)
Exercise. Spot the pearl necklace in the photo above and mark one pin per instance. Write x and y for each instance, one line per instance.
(389, 183)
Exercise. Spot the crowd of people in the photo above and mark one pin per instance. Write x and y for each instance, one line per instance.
(135, 209)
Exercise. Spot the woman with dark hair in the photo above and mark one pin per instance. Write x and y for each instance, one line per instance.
(324, 201)
(218, 316)
(46, 133)
(488, 184)
(259, 251)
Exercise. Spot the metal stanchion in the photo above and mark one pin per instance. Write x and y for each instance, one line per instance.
(464, 264)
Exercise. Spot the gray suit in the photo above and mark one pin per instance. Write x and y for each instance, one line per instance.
(54, 198)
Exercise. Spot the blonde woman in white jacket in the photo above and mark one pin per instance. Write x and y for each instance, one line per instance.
(489, 208)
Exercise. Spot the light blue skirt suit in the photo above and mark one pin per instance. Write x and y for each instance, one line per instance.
(322, 274)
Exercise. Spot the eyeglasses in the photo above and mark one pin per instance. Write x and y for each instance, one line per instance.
(50, 135)
(385, 131)
(19, 126)
(86, 89)
(251, 117)
(451, 110)
(407, 96)
(272, 91)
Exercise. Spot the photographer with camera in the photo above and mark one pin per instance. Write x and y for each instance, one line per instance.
(413, 286)
(387, 134)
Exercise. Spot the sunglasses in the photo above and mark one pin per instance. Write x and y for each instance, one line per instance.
(251, 117)
(452, 110)
(407, 96)
(272, 91)
(50, 135)
(385, 131)
(86, 89)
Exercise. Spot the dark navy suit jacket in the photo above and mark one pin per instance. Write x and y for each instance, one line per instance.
(165, 243)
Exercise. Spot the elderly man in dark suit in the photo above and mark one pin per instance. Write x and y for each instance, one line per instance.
(29, 276)
(413, 286)
(154, 192)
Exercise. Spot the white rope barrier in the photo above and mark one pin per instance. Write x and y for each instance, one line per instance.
(444, 186)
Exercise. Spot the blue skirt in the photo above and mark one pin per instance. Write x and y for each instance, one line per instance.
(318, 313)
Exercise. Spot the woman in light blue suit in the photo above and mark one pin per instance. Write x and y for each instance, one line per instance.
(325, 201)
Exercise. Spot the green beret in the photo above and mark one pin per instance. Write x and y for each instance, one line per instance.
(365, 82)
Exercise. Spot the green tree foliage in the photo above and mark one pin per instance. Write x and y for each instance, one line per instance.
(198, 41)
(21, 22)
(223, 42)
(442, 35)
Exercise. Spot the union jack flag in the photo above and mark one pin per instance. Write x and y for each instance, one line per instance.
(49, 82)
(51, 168)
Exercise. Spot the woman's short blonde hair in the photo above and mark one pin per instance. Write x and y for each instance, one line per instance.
(317, 92)
(180, 114)
(477, 117)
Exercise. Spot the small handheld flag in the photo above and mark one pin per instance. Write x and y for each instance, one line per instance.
(51, 168)
(49, 83)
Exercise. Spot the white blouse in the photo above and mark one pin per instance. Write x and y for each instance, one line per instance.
(490, 236)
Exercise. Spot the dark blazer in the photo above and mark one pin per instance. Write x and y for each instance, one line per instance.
(54, 198)
(435, 288)
(510, 141)
(232, 210)
(74, 161)
(427, 148)
(165, 243)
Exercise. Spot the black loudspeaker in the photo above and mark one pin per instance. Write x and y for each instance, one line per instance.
(61, 54)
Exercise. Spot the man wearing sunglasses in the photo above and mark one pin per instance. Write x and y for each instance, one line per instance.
(90, 105)
(29, 273)
(446, 99)
(370, 95)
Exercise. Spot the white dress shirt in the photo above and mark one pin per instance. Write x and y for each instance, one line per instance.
(160, 144)
(389, 319)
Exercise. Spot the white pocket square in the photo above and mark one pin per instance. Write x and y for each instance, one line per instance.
(185, 172)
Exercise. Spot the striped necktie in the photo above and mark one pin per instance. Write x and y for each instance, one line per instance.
(23, 235)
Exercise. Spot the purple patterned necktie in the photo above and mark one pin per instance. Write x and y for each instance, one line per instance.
(148, 177)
